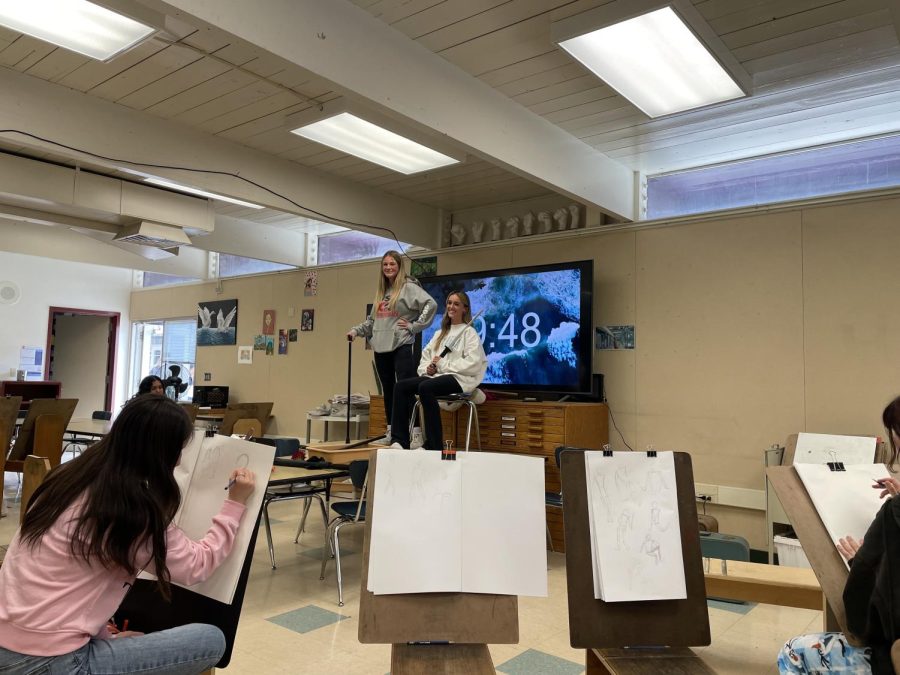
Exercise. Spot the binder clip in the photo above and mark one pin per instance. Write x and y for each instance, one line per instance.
(835, 465)
(211, 431)
(607, 451)
(650, 451)
(449, 452)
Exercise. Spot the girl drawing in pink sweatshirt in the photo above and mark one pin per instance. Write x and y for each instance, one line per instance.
(92, 525)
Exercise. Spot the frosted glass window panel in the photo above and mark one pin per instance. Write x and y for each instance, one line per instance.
(237, 266)
(353, 245)
(633, 510)
(846, 501)
(151, 279)
(839, 169)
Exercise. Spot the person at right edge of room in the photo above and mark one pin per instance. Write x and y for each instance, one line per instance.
(91, 526)
(872, 592)
(401, 309)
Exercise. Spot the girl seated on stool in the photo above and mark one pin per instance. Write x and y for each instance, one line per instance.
(91, 526)
(453, 362)
(872, 593)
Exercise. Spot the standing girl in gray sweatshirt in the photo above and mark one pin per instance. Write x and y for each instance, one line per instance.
(401, 309)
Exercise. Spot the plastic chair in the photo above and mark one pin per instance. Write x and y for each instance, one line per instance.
(452, 403)
(348, 513)
(277, 493)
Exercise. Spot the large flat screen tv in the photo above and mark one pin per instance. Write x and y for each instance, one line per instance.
(536, 327)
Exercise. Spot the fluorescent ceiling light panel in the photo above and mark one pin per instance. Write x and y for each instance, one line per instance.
(200, 193)
(78, 25)
(656, 62)
(355, 136)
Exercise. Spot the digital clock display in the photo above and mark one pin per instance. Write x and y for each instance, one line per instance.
(531, 325)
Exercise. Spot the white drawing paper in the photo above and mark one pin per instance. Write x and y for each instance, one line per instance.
(636, 534)
(203, 474)
(823, 448)
(473, 525)
(846, 501)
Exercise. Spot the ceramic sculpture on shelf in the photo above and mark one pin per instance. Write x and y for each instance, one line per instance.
(527, 224)
(477, 231)
(495, 229)
(574, 216)
(561, 217)
(512, 227)
(457, 235)
(545, 223)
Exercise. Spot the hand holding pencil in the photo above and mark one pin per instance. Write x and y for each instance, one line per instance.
(241, 485)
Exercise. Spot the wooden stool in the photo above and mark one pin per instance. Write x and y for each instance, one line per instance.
(455, 659)
(661, 661)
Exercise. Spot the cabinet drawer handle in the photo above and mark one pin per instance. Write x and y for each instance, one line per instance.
(507, 426)
(507, 419)
(508, 434)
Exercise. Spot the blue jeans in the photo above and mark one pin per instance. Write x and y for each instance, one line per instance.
(186, 650)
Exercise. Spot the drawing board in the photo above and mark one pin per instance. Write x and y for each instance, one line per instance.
(846, 501)
(203, 474)
(823, 448)
(634, 527)
(474, 525)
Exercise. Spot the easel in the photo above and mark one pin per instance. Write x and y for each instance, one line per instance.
(42, 431)
(623, 637)
(467, 621)
(821, 552)
(146, 611)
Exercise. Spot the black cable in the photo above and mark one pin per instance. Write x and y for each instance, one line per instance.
(212, 172)
(613, 419)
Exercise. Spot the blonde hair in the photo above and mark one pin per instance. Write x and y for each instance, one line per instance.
(466, 318)
(384, 285)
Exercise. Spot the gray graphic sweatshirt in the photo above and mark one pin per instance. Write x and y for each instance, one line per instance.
(414, 305)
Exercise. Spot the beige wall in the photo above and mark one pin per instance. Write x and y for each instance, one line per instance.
(747, 329)
(79, 360)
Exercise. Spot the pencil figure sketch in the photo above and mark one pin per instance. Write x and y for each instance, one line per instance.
(635, 495)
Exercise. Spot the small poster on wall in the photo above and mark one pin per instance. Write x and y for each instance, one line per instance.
(282, 341)
(424, 267)
(268, 322)
(259, 343)
(217, 323)
(614, 337)
(292, 335)
(270, 346)
(245, 354)
(311, 285)
(307, 319)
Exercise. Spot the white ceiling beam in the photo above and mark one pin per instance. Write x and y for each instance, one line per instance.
(254, 240)
(366, 58)
(65, 116)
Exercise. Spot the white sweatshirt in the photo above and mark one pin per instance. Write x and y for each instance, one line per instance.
(466, 360)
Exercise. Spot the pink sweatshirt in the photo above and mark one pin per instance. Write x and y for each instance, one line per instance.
(52, 603)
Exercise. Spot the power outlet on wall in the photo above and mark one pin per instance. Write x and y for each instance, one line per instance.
(207, 377)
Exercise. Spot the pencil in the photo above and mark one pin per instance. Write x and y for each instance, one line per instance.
(230, 483)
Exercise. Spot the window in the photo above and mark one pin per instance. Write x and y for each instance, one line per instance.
(150, 279)
(839, 169)
(237, 266)
(158, 345)
(353, 245)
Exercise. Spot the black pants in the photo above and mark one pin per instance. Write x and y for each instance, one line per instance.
(404, 398)
(392, 366)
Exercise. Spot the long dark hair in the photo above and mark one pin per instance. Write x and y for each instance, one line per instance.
(147, 384)
(127, 488)
(466, 317)
(891, 420)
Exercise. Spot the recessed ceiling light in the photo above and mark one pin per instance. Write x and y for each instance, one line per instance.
(77, 25)
(200, 193)
(355, 136)
(656, 62)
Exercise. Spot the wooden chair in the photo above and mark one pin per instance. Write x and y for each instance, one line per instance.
(35, 469)
(248, 428)
(239, 411)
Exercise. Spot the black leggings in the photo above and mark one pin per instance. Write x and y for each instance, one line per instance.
(392, 366)
(404, 398)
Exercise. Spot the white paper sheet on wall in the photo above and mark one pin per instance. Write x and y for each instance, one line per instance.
(205, 467)
(474, 525)
(635, 530)
(845, 500)
(823, 448)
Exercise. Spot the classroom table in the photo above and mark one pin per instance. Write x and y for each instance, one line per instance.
(85, 426)
(356, 420)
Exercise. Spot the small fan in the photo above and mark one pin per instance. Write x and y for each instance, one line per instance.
(174, 381)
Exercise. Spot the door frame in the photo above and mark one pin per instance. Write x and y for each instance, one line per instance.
(112, 344)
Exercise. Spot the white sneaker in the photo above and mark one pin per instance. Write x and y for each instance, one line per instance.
(396, 446)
